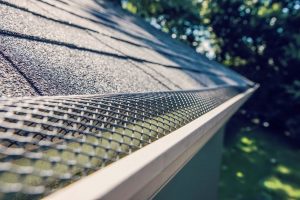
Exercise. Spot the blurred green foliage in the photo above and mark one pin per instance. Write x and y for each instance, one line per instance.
(252, 170)
(258, 38)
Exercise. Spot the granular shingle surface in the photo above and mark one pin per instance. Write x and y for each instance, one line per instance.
(12, 83)
(93, 47)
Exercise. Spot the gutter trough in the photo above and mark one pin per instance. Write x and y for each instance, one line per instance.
(118, 146)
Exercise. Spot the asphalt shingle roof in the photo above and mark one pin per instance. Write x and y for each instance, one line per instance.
(63, 47)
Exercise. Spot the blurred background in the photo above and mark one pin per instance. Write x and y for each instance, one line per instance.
(261, 40)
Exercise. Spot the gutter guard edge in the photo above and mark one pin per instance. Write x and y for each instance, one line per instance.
(142, 174)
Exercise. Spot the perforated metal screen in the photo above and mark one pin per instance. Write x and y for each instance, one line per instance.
(48, 142)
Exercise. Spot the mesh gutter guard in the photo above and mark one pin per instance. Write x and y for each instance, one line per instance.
(49, 142)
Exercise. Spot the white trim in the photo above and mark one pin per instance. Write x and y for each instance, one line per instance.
(142, 173)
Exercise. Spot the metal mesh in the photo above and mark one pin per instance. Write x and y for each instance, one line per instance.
(48, 142)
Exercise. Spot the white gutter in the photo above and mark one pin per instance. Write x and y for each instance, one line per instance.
(141, 174)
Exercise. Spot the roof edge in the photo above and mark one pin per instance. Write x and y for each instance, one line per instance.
(136, 175)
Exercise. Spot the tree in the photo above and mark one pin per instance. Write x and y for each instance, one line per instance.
(258, 38)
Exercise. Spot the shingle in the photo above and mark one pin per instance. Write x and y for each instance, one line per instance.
(12, 83)
(123, 29)
(86, 47)
(15, 20)
(81, 73)
(136, 51)
(177, 79)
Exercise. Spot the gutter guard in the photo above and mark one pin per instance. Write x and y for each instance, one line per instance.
(48, 142)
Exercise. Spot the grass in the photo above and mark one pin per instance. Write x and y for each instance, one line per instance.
(258, 164)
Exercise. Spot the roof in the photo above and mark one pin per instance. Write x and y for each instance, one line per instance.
(65, 47)
(168, 101)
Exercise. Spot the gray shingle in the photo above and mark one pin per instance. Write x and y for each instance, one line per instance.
(86, 47)
(12, 83)
(58, 70)
(18, 21)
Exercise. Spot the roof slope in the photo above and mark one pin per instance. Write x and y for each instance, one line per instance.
(65, 47)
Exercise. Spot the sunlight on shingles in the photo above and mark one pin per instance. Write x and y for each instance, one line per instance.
(273, 183)
(283, 169)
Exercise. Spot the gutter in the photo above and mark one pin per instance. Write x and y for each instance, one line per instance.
(144, 172)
